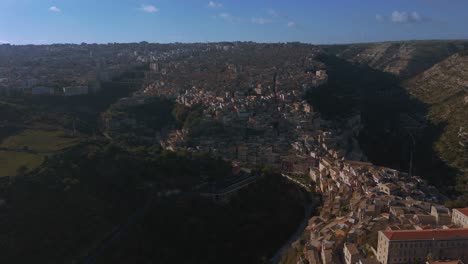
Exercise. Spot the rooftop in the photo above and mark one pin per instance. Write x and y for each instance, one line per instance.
(445, 262)
(430, 234)
(462, 210)
(352, 248)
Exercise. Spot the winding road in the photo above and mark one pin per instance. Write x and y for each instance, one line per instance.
(308, 210)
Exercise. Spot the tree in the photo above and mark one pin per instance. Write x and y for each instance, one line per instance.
(22, 170)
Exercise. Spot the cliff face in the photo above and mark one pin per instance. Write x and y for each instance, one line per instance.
(444, 87)
(402, 59)
(442, 82)
(435, 73)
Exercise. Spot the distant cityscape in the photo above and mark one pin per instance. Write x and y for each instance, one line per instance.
(255, 113)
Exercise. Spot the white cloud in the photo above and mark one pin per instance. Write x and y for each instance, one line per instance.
(4, 42)
(55, 9)
(149, 8)
(291, 24)
(214, 4)
(261, 20)
(416, 17)
(405, 17)
(272, 12)
(229, 17)
(225, 16)
(380, 18)
(399, 17)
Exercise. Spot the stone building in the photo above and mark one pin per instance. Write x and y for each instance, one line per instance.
(416, 246)
(460, 217)
(442, 214)
(75, 90)
(351, 253)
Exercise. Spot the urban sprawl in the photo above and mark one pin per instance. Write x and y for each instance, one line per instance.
(252, 98)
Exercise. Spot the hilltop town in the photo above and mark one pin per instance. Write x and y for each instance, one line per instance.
(246, 104)
(54, 69)
(255, 115)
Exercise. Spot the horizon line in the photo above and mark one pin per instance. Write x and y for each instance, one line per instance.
(229, 41)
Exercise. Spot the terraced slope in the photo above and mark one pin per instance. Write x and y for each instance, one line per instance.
(445, 88)
(435, 73)
(402, 59)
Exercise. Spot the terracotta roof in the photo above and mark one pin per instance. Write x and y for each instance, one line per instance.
(446, 262)
(352, 248)
(462, 210)
(431, 234)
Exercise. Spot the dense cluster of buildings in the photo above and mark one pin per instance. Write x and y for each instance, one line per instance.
(254, 114)
(253, 108)
(62, 68)
(368, 213)
(366, 206)
(45, 70)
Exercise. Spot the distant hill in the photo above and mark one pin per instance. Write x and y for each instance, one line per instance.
(445, 88)
(402, 59)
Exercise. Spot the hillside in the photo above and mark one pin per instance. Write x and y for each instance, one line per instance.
(442, 82)
(63, 210)
(59, 211)
(445, 88)
(255, 224)
(435, 74)
(402, 59)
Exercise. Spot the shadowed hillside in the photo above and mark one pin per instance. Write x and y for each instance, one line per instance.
(391, 118)
(64, 210)
(247, 230)
(402, 59)
(445, 88)
(435, 73)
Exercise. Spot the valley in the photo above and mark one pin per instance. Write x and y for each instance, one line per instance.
(193, 145)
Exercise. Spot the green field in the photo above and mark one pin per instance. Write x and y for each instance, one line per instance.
(29, 147)
(39, 141)
(10, 161)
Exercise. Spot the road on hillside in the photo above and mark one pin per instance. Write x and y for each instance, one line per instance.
(117, 232)
(308, 210)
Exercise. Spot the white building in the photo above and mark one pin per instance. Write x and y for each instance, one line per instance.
(75, 90)
(321, 73)
(460, 217)
(415, 246)
(351, 253)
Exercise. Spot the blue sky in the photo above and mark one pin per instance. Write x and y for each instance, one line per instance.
(311, 21)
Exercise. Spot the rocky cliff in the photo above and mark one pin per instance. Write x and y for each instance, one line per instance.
(436, 74)
(403, 59)
(444, 87)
